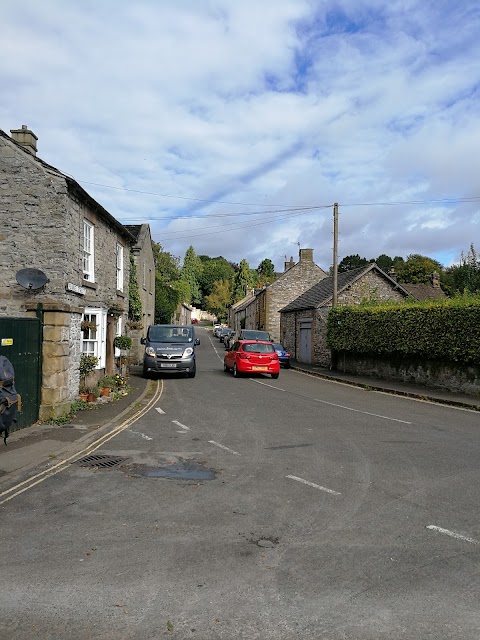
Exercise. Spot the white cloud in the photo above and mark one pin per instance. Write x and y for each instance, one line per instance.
(286, 103)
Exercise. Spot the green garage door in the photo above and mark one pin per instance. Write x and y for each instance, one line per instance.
(20, 342)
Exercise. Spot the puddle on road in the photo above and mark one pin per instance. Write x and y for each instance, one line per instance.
(177, 471)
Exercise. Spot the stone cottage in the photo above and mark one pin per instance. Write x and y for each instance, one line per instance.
(262, 312)
(303, 322)
(142, 256)
(52, 225)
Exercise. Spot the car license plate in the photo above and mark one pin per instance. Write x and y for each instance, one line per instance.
(259, 368)
(168, 365)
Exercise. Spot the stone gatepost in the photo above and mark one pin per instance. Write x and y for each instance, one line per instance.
(61, 350)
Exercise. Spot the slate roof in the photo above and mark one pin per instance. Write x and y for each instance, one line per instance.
(322, 292)
(424, 291)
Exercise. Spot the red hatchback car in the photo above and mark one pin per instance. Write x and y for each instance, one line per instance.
(252, 356)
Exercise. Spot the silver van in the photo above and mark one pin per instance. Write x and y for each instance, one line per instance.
(170, 348)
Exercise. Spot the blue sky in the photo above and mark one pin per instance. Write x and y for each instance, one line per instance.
(260, 107)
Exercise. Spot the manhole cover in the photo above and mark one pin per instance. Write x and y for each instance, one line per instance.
(102, 461)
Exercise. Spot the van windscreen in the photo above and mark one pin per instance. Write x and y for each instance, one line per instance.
(167, 333)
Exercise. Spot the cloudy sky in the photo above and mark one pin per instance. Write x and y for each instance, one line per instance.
(234, 125)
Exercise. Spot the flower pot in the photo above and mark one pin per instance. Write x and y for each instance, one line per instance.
(105, 391)
(91, 397)
(83, 396)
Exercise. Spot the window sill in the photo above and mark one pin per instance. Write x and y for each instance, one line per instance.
(120, 294)
(89, 284)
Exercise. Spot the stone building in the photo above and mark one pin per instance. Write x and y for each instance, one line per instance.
(262, 312)
(51, 224)
(142, 255)
(303, 323)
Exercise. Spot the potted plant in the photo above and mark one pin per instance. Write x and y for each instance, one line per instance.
(87, 365)
(88, 325)
(124, 343)
(106, 384)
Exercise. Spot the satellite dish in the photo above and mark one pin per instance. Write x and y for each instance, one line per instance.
(31, 278)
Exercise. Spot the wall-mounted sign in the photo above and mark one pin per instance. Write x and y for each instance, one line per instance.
(74, 288)
(7, 342)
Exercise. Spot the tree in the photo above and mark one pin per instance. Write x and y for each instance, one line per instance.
(418, 269)
(166, 301)
(242, 281)
(191, 269)
(214, 270)
(266, 271)
(384, 262)
(463, 277)
(166, 265)
(219, 299)
(351, 262)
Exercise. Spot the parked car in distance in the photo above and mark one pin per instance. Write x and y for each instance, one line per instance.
(224, 331)
(229, 339)
(283, 355)
(194, 320)
(254, 334)
(216, 329)
(252, 356)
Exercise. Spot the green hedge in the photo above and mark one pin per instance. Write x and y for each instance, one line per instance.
(448, 330)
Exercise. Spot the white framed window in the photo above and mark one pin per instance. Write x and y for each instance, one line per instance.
(93, 339)
(88, 253)
(118, 332)
(119, 267)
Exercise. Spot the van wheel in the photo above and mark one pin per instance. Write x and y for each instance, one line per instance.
(191, 374)
(146, 373)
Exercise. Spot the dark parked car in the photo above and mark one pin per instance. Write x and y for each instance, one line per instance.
(283, 355)
(225, 331)
(170, 348)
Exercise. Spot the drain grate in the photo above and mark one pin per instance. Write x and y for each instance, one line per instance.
(100, 461)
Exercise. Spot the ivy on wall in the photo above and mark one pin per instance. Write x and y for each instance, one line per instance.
(134, 300)
(447, 330)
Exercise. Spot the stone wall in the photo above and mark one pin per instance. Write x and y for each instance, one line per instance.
(449, 376)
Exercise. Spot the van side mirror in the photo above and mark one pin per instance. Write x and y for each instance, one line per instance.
(197, 341)
(143, 341)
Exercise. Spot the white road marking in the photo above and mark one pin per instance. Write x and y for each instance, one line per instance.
(375, 415)
(142, 435)
(315, 486)
(266, 385)
(179, 424)
(224, 447)
(215, 349)
(159, 410)
(452, 534)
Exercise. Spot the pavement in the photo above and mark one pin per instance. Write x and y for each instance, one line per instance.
(46, 444)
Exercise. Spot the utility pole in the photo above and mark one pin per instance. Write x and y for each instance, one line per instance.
(335, 254)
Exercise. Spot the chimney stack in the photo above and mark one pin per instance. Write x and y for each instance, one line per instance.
(435, 280)
(289, 265)
(26, 138)
(306, 255)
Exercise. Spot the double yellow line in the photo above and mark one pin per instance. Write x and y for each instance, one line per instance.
(19, 488)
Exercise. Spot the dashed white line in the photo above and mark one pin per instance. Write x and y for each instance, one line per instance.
(367, 413)
(159, 410)
(142, 435)
(452, 534)
(179, 424)
(315, 486)
(266, 384)
(217, 444)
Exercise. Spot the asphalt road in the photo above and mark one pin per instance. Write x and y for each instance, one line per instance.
(293, 508)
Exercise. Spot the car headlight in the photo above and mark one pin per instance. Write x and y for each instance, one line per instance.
(188, 352)
(150, 351)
